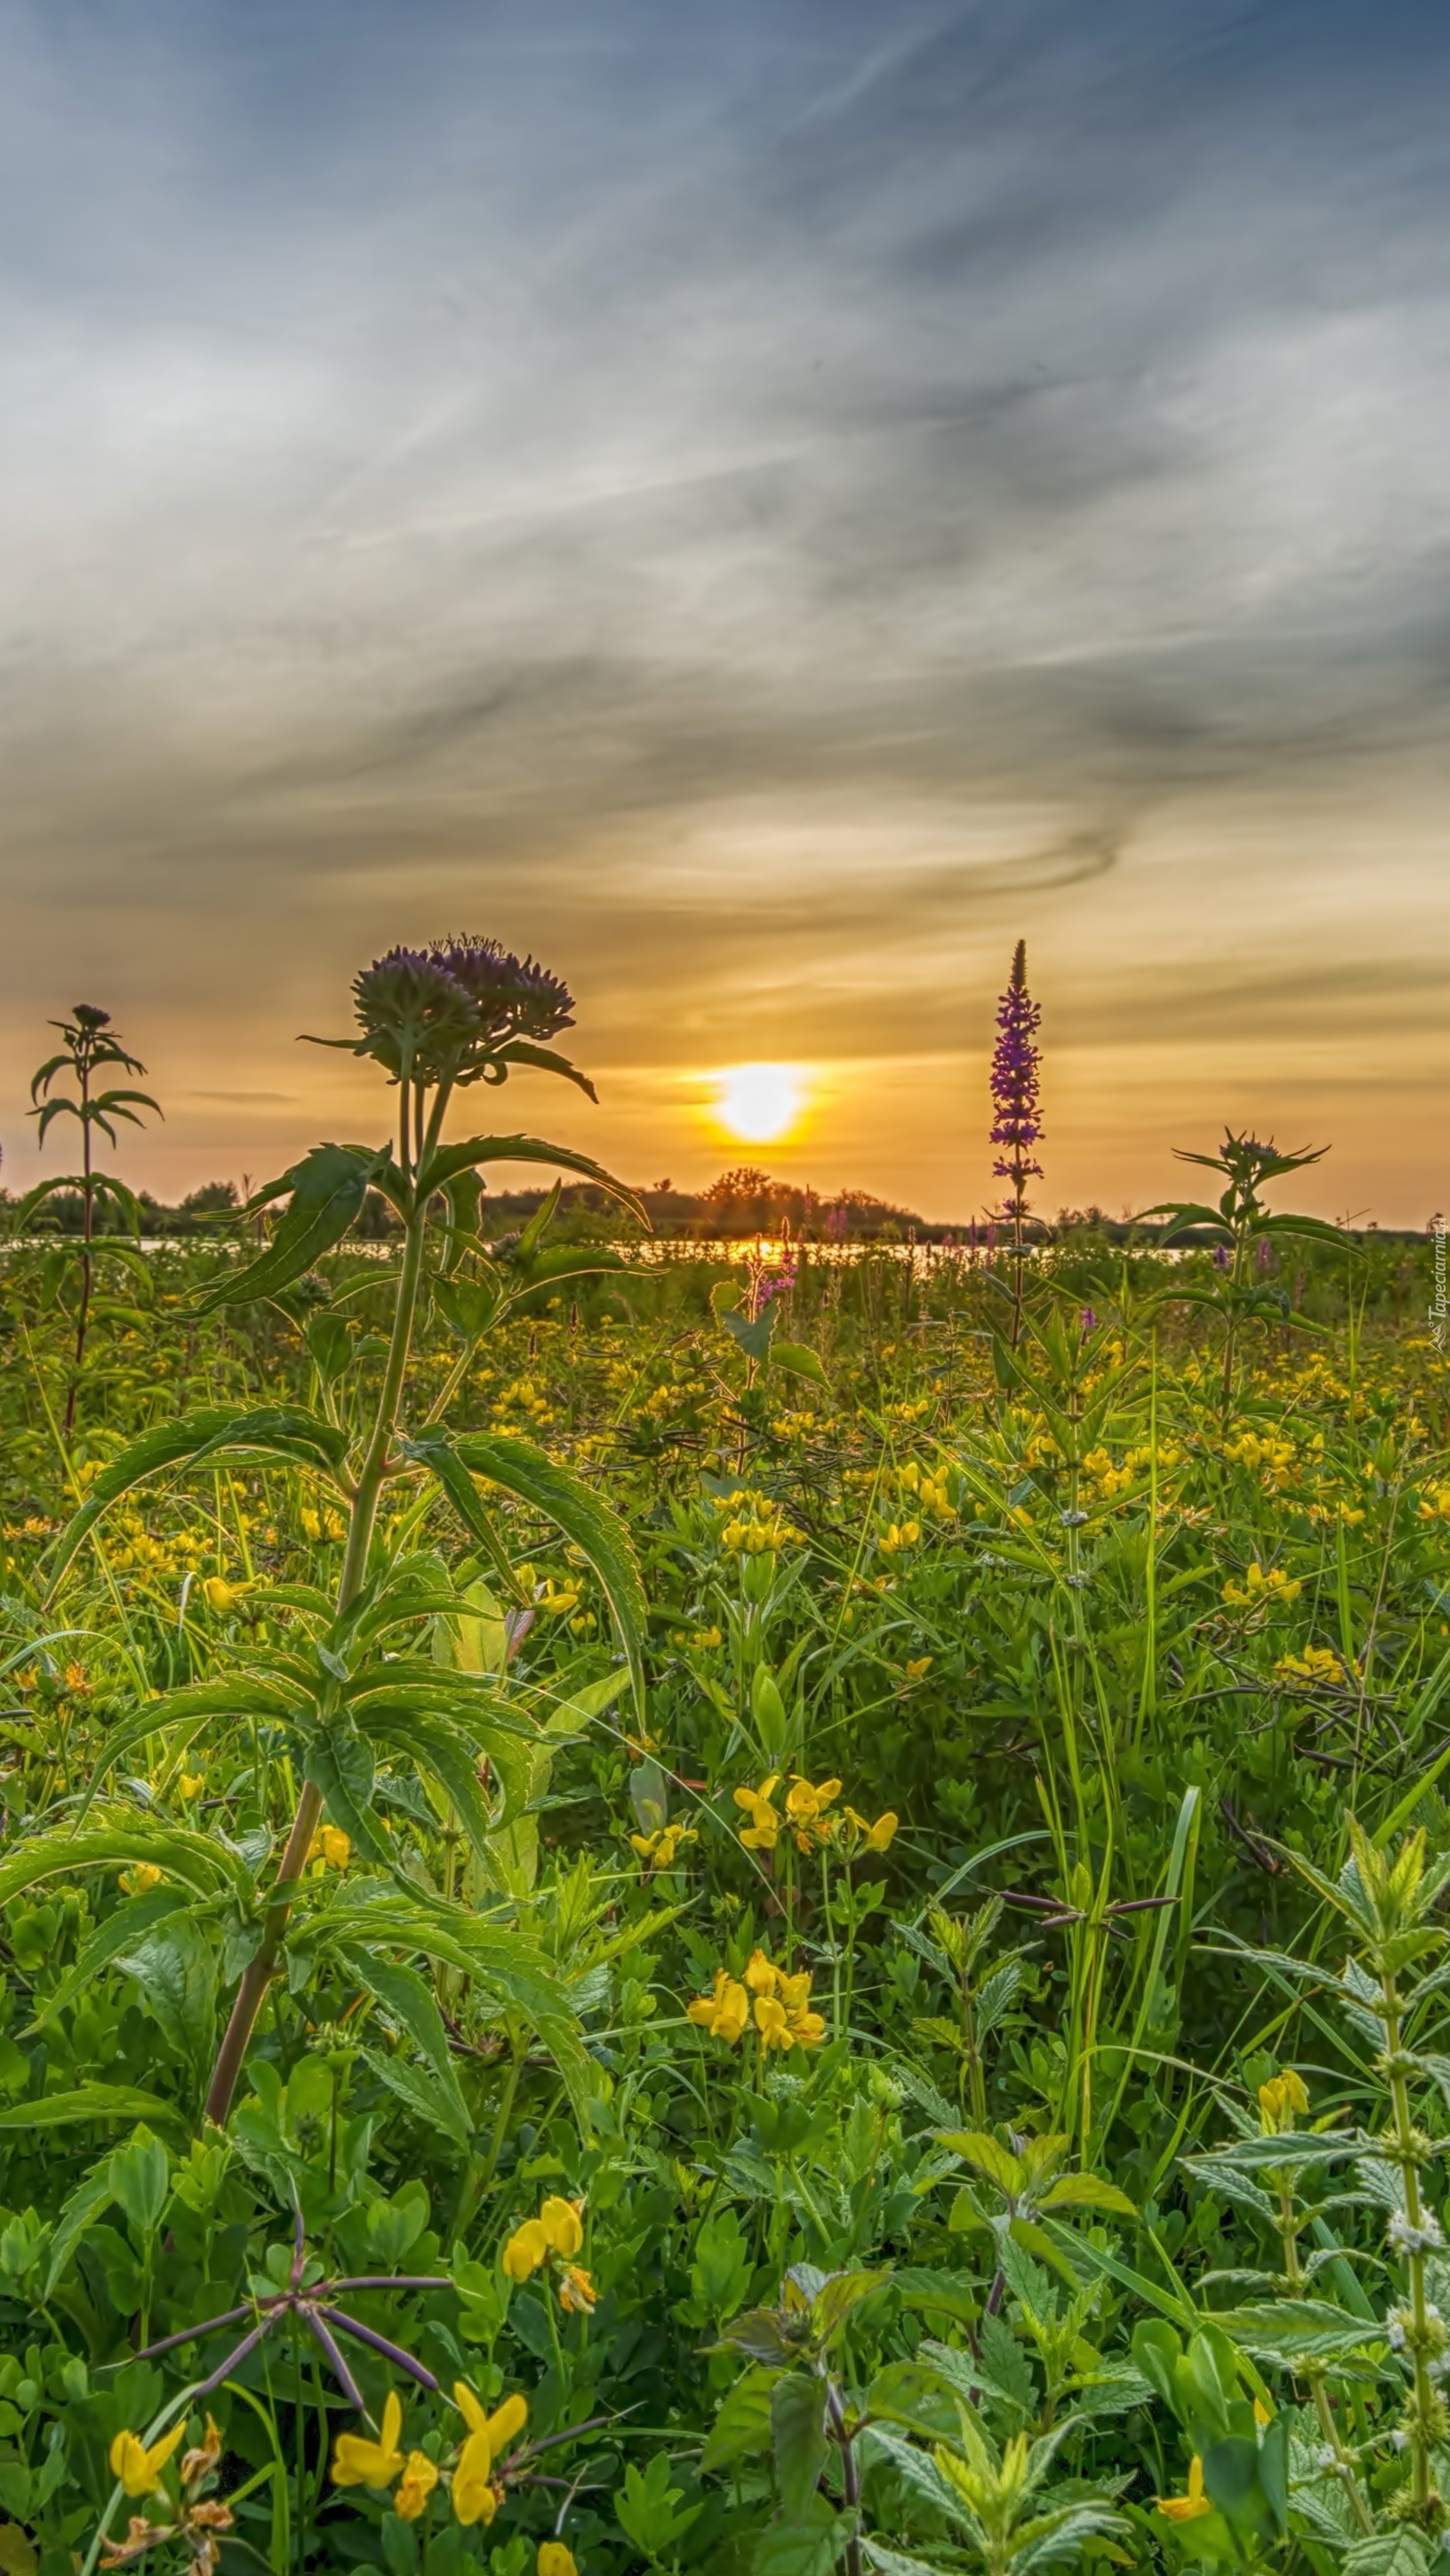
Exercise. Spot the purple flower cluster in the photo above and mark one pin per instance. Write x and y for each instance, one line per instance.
(452, 1011)
(1015, 1064)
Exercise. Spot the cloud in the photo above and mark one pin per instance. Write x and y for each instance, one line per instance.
(770, 506)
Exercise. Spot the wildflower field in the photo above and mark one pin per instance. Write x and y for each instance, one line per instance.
(751, 1916)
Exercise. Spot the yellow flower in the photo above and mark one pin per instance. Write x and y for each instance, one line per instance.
(771, 2022)
(875, 1837)
(917, 1667)
(475, 2496)
(807, 1806)
(75, 1678)
(419, 2479)
(760, 1976)
(763, 1831)
(562, 2225)
(658, 1850)
(1186, 2508)
(218, 1596)
(1279, 2099)
(357, 2462)
(725, 2012)
(191, 1784)
(577, 2293)
(136, 1882)
(138, 2469)
(526, 2249)
(555, 2559)
(331, 1846)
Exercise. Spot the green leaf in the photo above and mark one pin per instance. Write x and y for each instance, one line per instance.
(1086, 2191)
(328, 1188)
(424, 2095)
(799, 1361)
(595, 1528)
(330, 1344)
(282, 1431)
(118, 1930)
(403, 1993)
(743, 2425)
(798, 2435)
(340, 1764)
(985, 2154)
(802, 2548)
(754, 1339)
(911, 2394)
(544, 1060)
(201, 1862)
(90, 2102)
(75, 2221)
(140, 2178)
(503, 1960)
(451, 1159)
(176, 1970)
(842, 2293)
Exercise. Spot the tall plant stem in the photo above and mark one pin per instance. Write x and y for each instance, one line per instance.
(367, 1494)
(88, 1200)
(1427, 2410)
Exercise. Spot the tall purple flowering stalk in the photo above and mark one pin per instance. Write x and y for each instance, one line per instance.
(1016, 1126)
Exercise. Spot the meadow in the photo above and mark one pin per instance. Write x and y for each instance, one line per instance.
(750, 1914)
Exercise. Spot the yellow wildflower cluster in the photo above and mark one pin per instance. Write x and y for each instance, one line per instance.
(526, 1398)
(322, 1525)
(140, 1880)
(781, 2010)
(661, 1849)
(809, 1816)
(31, 1528)
(474, 2492)
(557, 2233)
(1434, 1503)
(1262, 1588)
(133, 1550)
(916, 1410)
(756, 1526)
(1279, 2100)
(898, 1535)
(1274, 1460)
(1318, 1665)
(928, 1487)
(793, 1426)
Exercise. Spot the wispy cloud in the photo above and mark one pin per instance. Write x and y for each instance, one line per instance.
(768, 507)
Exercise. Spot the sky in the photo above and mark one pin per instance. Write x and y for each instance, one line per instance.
(762, 506)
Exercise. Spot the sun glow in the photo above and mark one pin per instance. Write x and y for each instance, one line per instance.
(759, 1103)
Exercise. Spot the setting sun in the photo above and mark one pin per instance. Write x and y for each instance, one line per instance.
(759, 1102)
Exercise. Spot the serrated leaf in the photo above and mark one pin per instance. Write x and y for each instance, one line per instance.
(403, 1993)
(283, 1431)
(90, 2102)
(176, 1970)
(595, 1528)
(328, 1188)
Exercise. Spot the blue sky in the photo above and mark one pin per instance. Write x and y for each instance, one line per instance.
(763, 506)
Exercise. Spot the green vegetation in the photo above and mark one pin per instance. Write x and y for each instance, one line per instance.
(761, 1920)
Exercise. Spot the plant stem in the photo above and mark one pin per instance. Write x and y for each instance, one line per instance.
(260, 1970)
(1426, 2411)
